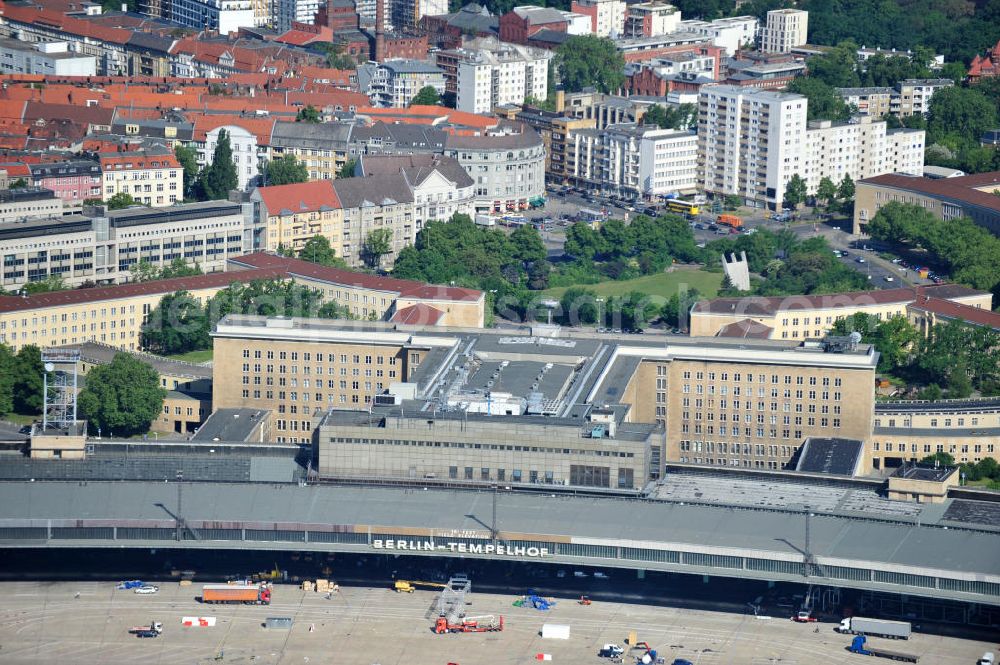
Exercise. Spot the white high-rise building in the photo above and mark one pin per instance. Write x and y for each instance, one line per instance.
(223, 16)
(494, 73)
(754, 141)
(750, 142)
(299, 11)
(608, 16)
(785, 29)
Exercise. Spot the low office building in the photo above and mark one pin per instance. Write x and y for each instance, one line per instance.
(969, 196)
(728, 33)
(811, 317)
(599, 404)
(19, 205)
(153, 180)
(114, 315)
(101, 246)
(905, 432)
(46, 59)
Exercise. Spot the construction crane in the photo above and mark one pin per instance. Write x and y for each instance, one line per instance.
(480, 624)
(408, 586)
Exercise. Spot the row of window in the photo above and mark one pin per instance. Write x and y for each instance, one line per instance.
(307, 356)
(483, 446)
(761, 378)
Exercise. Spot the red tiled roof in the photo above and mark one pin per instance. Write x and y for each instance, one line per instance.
(746, 329)
(77, 296)
(959, 189)
(417, 315)
(261, 128)
(768, 306)
(405, 288)
(126, 162)
(300, 197)
(16, 170)
(958, 312)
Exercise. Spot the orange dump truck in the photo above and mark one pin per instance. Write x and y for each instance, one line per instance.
(730, 220)
(247, 594)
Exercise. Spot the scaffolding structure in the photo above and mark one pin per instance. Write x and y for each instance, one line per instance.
(59, 388)
(452, 601)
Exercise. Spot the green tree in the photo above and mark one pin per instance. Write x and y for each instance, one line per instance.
(28, 381)
(527, 244)
(8, 370)
(347, 170)
(579, 306)
(959, 116)
(670, 117)
(376, 245)
(122, 397)
(959, 383)
(20, 183)
(220, 177)
(942, 458)
(827, 191)
(285, 170)
(178, 324)
(308, 114)
(795, 191)
(894, 338)
(47, 285)
(335, 56)
(676, 311)
(837, 66)
(121, 200)
(731, 201)
(426, 96)
(144, 271)
(845, 190)
(180, 268)
(187, 156)
(318, 250)
(588, 60)
(824, 102)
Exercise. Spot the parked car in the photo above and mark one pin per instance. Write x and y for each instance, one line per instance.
(860, 259)
(25, 430)
(889, 278)
(147, 588)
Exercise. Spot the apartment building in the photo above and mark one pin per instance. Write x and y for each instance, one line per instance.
(969, 196)
(811, 317)
(321, 147)
(750, 142)
(394, 83)
(222, 16)
(247, 151)
(114, 315)
(607, 16)
(651, 19)
(101, 246)
(289, 215)
(728, 33)
(490, 73)
(507, 164)
(286, 12)
(906, 98)
(441, 186)
(635, 161)
(73, 181)
(859, 148)
(556, 131)
(46, 58)
(784, 30)
(22, 204)
(153, 180)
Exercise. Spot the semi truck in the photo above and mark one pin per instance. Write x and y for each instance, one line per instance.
(860, 646)
(152, 630)
(894, 630)
(246, 594)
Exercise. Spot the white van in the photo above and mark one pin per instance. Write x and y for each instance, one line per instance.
(987, 658)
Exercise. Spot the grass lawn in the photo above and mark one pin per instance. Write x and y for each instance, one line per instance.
(22, 419)
(662, 284)
(194, 356)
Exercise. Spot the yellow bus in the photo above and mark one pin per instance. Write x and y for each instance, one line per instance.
(682, 207)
